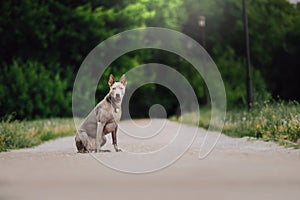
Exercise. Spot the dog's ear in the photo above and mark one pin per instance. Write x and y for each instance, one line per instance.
(123, 80)
(111, 80)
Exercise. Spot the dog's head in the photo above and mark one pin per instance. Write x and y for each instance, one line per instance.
(117, 89)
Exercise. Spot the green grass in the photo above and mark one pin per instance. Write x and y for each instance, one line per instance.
(269, 121)
(23, 134)
(191, 118)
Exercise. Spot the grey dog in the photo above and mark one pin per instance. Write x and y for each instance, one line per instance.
(102, 120)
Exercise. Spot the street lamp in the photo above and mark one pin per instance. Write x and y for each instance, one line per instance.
(247, 45)
(201, 21)
(202, 25)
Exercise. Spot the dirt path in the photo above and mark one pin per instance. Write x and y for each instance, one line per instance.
(236, 169)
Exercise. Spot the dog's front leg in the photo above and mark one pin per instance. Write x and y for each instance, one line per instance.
(114, 138)
(99, 136)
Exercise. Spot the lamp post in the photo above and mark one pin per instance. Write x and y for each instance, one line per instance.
(247, 45)
(202, 25)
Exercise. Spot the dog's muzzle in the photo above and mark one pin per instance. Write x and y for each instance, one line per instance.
(118, 98)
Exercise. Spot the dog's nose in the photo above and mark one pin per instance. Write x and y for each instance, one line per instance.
(118, 95)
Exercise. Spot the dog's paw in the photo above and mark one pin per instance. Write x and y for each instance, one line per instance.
(118, 150)
(102, 151)
(82, 151)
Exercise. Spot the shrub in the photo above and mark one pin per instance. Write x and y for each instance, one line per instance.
(30, 91)
(232, 69)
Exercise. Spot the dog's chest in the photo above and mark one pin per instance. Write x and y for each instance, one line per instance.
(111, 124)
(111, 115)
(116, 115)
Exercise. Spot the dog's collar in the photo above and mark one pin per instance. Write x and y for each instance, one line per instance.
(114, 105)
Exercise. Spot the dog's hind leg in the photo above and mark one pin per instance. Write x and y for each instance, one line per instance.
(82, 142)
(100, 138)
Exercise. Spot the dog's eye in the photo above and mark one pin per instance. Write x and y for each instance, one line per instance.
(114, 88)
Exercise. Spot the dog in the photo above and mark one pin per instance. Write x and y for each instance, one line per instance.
(102, 120)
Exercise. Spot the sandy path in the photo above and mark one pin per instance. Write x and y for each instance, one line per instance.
(236, 169)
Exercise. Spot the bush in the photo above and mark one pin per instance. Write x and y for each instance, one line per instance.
(232, 69)
(30, 91)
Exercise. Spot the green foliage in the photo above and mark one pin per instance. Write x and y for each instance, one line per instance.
(269, 121)
(29, 90)
(191, 118)
(49, 32)
(44, 43)
(57, 35)
(24, 134)
(169, 14)
(278, 20)
(233, 73)
(275, 121)
(274, 29)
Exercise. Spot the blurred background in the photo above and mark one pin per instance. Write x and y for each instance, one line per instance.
(43, 44)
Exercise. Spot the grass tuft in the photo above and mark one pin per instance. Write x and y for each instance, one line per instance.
(270, 121)
(24, 134)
